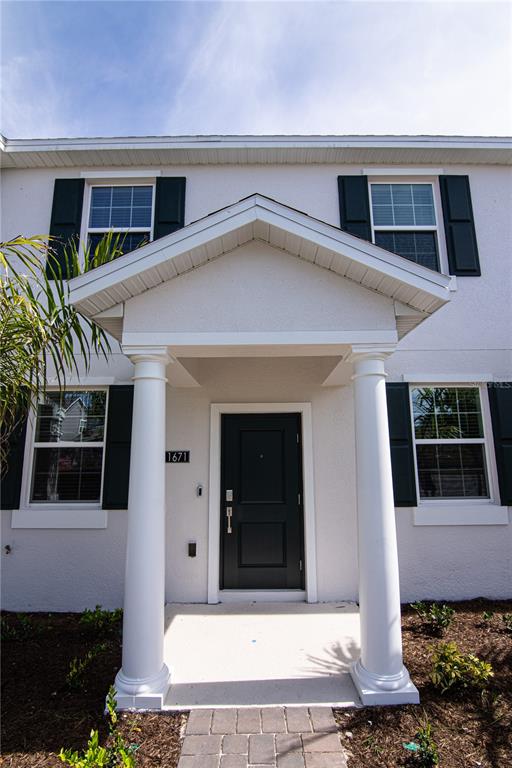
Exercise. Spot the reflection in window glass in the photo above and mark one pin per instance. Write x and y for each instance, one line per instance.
(68, 447)
(450, 445)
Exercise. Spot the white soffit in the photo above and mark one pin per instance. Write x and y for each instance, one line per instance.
(260, 218)
(161, 151)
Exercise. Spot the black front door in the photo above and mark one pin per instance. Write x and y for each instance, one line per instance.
(261, 502)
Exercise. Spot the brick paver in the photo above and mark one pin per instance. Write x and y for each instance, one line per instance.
(325, 760)
(233, 761)
(321, 742)
(297, 720)
(235, 744)
(201, 745)
(272, 720)
(270, 737)
(224, 721)
(262, 749)
(199, 761)
(322, 720)
(249, 721)
(199, 721)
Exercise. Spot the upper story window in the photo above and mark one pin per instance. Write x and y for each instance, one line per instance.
(449, 435)
(404, 221)
(67, 460)
(126, 209)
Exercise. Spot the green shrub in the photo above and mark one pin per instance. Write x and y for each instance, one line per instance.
(96, 756)
(424, 749)
(20, 628)
(101, 621)
(436, 616)
(488, 615)
(453, 669)
(78, 666)
(507, 620)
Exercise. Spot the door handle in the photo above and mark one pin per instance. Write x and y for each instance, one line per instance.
(229, 515)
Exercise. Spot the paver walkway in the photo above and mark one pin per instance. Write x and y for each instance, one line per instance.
(285, 737)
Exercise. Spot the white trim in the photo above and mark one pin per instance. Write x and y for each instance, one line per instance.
(143, 151)
(113, 179)
(402, 171)
(129, 174)
(216, 410)
(464, 510)
(432, 178)
(71, 515)
(447, 378)
(247, 141)
(84, 382)
(460, 513)
(263, 596)
(258, 338)
(263, 216)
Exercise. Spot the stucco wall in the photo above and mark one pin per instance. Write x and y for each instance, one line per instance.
(258, 288)
(68, 570)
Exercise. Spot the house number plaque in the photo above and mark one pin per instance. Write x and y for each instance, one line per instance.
(177, 457)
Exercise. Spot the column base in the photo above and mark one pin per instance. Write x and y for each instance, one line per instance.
(377, 690)
(146, 693)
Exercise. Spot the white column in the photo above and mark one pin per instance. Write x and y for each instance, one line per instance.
(379, 674)
(144, 678)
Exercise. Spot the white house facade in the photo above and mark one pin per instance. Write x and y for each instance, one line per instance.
(309, 395)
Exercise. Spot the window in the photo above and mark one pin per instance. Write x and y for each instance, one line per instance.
(404, 221)
(123, 208)
(68, 448)
(450, 443)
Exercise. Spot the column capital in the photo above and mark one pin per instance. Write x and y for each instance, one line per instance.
(142, 354)
(369, 352)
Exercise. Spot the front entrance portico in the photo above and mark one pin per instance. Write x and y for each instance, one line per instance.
(379, 674)
(314, 313)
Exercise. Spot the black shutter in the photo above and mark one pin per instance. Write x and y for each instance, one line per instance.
(169, 205)
(68, 198)
(500, 400)
(117, 447)
(459, 226)
(11, 479)
(355, 206)
(402, 446)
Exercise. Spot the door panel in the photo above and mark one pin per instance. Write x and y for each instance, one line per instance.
(262, 541)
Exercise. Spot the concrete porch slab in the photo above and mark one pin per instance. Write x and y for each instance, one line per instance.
(261, 654)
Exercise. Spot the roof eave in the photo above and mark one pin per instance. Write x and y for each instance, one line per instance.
(260, 218)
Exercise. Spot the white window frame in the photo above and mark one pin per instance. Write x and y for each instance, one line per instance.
(479, 511)
(438, 227)
(69, 514)
(114, 181)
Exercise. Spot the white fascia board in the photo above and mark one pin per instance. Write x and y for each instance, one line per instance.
(159, 251)
(365, 253)
(247, 211)
(256, 142)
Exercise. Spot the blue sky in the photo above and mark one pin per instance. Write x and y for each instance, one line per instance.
(93, 68)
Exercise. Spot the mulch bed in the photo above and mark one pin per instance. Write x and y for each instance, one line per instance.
(41, 713)
(471, 730)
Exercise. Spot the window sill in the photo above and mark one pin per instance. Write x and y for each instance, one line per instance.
(460, 514)
(59, 517)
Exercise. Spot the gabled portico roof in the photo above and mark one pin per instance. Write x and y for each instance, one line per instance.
(260, 218)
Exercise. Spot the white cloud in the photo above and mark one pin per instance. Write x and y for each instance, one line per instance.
(259, 67)
(349, 68)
